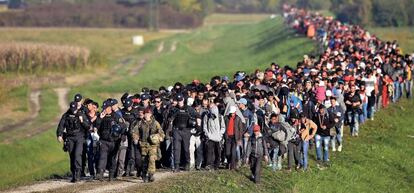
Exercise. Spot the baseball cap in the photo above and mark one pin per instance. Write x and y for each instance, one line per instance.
(179, 97)
(145, 96)
(242, 101)
(73, 106)
(256, 128)
(77, 98)
(106, 104)
(128, 102)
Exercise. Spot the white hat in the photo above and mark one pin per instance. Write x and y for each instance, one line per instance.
(321, 83)
(170, 88)
(328, 93)
(232, 109)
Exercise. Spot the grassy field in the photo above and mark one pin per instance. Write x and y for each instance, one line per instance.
(404, 36)
(199, 55)
(219, 50)
(219, 19)
(379, 160)
(111, 44)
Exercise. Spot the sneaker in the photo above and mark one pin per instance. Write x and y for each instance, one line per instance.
(151, 178)
(356, 134)
(340, 148)
(333, 148)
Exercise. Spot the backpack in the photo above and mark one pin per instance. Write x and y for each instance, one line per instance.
(285, 133)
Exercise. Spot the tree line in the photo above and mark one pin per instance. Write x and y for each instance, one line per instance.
(190, 13)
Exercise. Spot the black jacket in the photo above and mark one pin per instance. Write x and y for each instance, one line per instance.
(105, 126)
(70, 125)
(325, 120)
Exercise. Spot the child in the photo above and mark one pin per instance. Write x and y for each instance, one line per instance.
(258, 151)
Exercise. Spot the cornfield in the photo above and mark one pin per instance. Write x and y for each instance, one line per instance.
(33, 57)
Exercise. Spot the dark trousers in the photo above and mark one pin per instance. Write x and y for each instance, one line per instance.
(231, 152)
(131, 156)
(84, 157)
(181, 142)
(213, 153)
(293, 154)
(75, 148)
(255, 168)
(137, 158)
(108, 152)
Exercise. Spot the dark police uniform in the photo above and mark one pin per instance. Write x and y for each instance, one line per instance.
(182, 134)
(108, 143)
(132, 151)
(73, 130)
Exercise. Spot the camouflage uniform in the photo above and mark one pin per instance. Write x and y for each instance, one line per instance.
(149, 147)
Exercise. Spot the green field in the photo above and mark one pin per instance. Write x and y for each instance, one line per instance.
(404, 36)
(208, 51)
(380, 160)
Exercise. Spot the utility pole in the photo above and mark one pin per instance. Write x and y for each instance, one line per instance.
(153, 21)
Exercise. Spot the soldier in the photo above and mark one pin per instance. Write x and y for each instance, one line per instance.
(148, 133)
(73, 126)
(110, 128)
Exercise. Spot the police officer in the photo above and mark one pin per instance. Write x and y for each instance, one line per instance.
(71, 130)
(130, 118)
(183, 120)
(148, 133)
(110, 129)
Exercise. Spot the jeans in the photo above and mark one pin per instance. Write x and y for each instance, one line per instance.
(338, 136)
(325, 140)
(276, 159)
(169, 152)
(396, 94)
(408, 88)
(353, 117)
(364, 116)
(304, 160)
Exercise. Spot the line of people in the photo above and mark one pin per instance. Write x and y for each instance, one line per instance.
(271, 115)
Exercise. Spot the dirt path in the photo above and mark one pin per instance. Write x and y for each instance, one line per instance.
(34, 106)
(62, 94)
(173, 46)
(89, 186)
(161, 47)
(138, 68)
(42, 187)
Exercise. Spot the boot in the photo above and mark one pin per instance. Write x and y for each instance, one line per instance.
(99, 175)
(78, 174)
(73, 180)
(187, 168)
(111, 176)
(176, 169)
(151, 178)
(144, 178)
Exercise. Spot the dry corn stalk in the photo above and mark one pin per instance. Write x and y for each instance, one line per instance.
(29, 57)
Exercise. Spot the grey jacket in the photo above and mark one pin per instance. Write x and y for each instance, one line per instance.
(213, 125)
(257, 146)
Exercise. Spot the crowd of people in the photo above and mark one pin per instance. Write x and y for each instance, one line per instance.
(271, 115)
